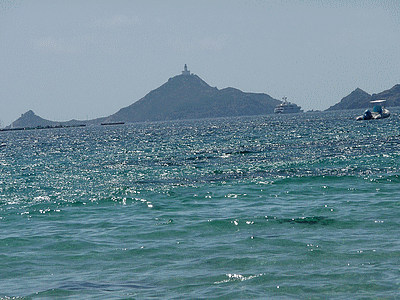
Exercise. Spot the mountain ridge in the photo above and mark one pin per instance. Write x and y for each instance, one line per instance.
(187, 96)
(184, 96)
(361, 99)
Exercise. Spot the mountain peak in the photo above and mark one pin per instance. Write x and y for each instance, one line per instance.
(184, 96)
(358, 90)
(29, 113)
(356, 99)
(360, 99)
(188, 81)
(187, 96)
(30, 119)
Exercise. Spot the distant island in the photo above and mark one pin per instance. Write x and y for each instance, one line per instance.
(361, 99)
(187, 96)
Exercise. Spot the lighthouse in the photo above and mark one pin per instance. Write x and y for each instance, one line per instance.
(185, 70)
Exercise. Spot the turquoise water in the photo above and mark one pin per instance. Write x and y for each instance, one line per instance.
(285, 207)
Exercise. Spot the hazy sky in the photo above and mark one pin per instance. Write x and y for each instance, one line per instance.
(87, 59)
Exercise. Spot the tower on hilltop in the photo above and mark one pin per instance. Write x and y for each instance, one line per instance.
(185, 70)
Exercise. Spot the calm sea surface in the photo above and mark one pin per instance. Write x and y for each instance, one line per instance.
(285, 207)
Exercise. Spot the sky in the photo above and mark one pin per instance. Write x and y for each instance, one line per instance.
(84, 59)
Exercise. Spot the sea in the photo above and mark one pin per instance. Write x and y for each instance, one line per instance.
(301, 206)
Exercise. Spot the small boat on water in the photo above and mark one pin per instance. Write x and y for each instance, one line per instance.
(378, 111)
(287, 107)
(112, 123)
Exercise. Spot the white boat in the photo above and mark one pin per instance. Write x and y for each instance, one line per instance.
(287, 107)
(378, 112)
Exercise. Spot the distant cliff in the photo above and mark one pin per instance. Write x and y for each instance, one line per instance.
(360, 99)
(189, 97)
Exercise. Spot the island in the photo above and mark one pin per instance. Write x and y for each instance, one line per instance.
(361, 99)
(185, 96)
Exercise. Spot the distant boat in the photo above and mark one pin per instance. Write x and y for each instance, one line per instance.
(287, 107)
(112, 123)
(378, 111)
